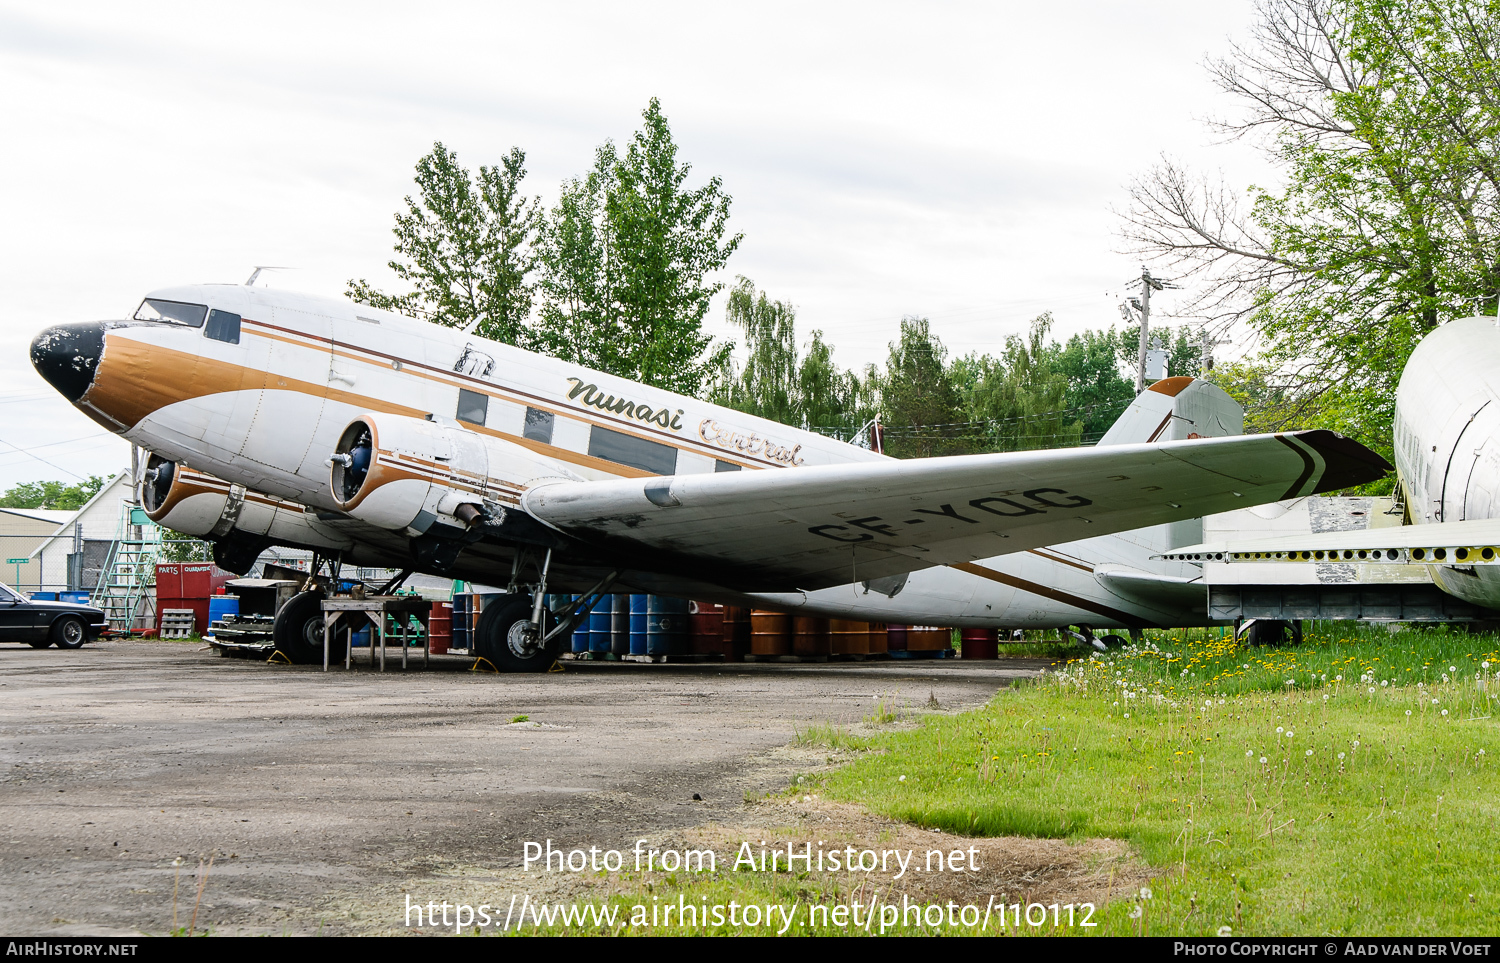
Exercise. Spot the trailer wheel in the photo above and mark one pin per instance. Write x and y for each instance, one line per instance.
(298, 631)
(503, 637)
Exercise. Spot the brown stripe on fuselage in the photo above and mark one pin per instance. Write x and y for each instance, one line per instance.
(136, 379)
(1078, 602)
(509, 393)
(1061, 559)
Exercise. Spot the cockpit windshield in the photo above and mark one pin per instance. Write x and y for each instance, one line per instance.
(172, 312)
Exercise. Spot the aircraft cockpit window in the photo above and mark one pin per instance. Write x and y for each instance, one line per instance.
(172, 312)
(223, 326)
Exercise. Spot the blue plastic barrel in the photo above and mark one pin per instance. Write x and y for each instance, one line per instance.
(78, 598)
(461, 617)
(580, 633)
(44, 596)
(221, 606)
(361, 637)
(619, 625)
(638, 618)
(666, 625)
(599, 624)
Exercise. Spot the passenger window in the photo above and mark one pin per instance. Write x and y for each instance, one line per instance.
(539, 425)
(725, 466)
(629, 450)
(472, 406)
(223, 326)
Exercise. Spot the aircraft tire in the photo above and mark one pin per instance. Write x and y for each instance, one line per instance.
(1272, 632)
(298, 631)
(41, 643)
(1113, 641)
(501, 638)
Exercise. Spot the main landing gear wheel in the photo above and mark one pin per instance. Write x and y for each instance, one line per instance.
(1273, 632)
(506, 638)
(298, 631)
(69, 632)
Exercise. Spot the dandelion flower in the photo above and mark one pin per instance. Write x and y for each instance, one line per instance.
(1434, 702)
(901, 779)
(1262, 760)
(1356, 743)
(1408, 712)
(1309, 752)
(1224, 931)
(1372, 688)
(1280, 729)
(1384, 683)
(1145, 892)
(1135, 913)
(1341, 755)
(1445, 712)
(1249, 752)
(1290, 733)
(1452, 668)
(1127, 715)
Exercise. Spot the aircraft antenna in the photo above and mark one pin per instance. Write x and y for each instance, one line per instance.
(250, 282)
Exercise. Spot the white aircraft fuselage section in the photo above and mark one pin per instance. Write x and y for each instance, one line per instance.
(1447, 440)
(264, 388)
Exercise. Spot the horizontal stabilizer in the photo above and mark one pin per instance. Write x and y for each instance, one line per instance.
(815, 527)
(1474, 542)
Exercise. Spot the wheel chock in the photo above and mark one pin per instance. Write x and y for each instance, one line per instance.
(488, 666)
(278, 657)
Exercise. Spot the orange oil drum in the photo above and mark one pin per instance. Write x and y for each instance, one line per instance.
(770, 633)
(810, 636)
(848, 638)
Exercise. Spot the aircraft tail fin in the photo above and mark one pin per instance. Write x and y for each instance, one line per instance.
(1176, 409)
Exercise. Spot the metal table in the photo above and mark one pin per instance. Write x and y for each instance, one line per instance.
(377, 608)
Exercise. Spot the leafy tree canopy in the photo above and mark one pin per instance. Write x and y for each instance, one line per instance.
(53, 494)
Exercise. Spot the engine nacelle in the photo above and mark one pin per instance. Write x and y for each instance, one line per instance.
(390, 470)
(405, 473)
(196, 503)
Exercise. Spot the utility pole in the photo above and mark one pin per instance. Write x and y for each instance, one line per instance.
(1148, 284)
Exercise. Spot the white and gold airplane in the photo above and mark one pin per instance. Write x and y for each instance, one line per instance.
(372, 438)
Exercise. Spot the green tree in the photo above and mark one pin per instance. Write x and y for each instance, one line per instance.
(1097, 392)
(53, 494)
(920, 403)
(465, 248)
(1385, 119)
(769, 385)
(626, 260)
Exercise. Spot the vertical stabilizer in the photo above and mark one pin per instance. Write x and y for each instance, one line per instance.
(1177, 409)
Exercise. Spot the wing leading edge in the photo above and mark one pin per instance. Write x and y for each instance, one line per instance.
(816, 527)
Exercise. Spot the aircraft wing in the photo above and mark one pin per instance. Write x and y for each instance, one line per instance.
(1475, 542)
(815, 527)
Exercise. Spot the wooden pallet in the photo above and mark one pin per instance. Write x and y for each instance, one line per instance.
(178, 623)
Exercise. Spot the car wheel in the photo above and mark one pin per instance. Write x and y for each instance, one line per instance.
(69, 632)
(505, 637)
(298, 631)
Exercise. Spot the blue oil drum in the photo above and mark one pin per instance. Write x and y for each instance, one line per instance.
(666, 625)
(600, 622)
(638, 619)
(221, 606)
(619, 625)
(581, 634)
(462, 618)
(361, 638)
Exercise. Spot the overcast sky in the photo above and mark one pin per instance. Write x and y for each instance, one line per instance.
(952, 161)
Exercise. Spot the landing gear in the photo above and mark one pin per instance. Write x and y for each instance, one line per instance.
(1272, 632)
(298, 631)
(509, 638)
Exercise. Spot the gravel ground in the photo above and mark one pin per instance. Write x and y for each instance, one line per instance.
(314, 791)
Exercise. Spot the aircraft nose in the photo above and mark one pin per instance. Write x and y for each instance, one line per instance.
(67, 356)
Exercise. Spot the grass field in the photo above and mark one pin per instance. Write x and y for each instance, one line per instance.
(1343, 786)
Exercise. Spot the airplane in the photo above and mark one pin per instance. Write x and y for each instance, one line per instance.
(368, 437)
(1446, 437)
